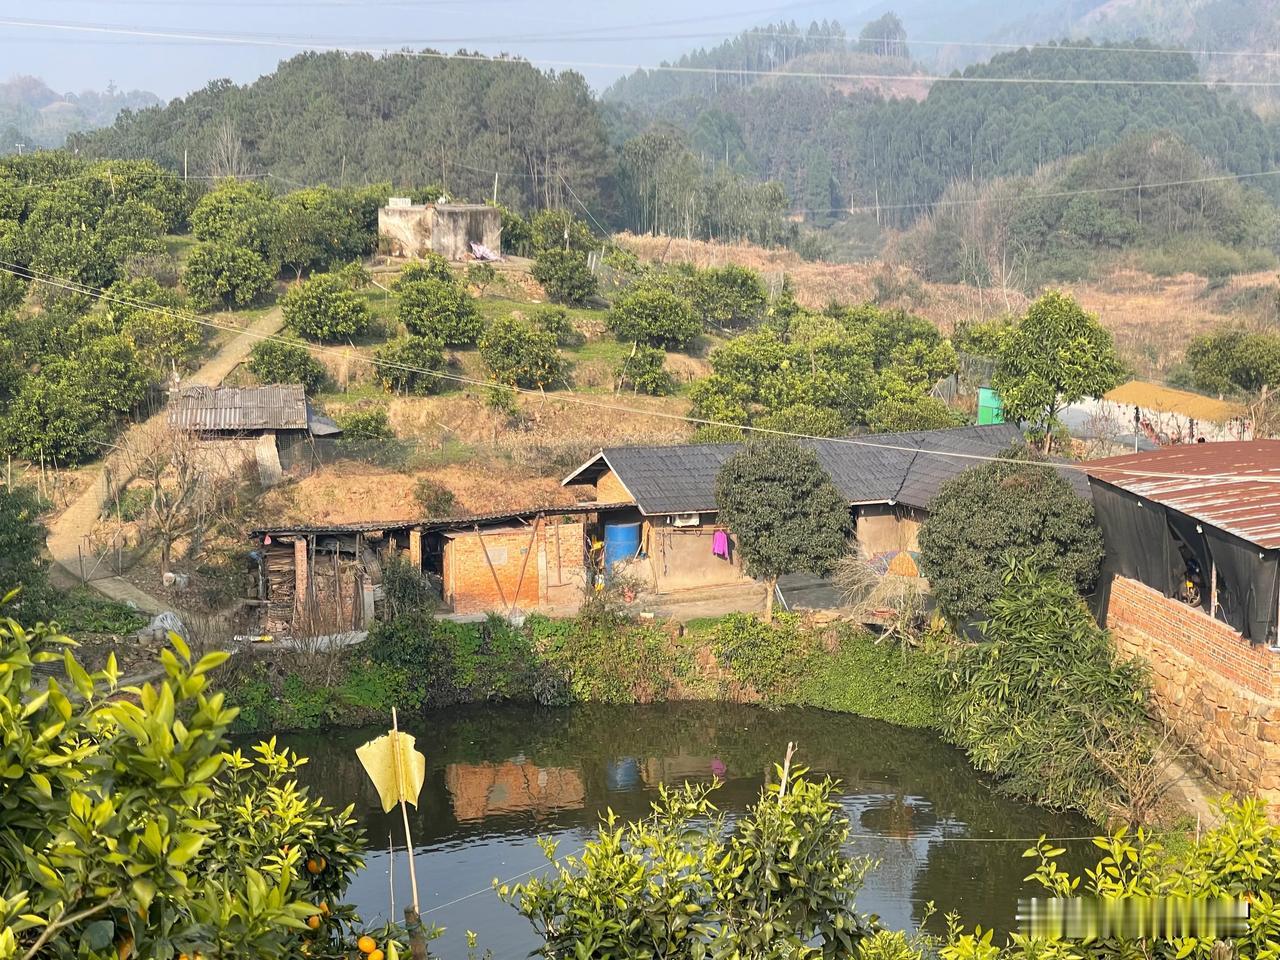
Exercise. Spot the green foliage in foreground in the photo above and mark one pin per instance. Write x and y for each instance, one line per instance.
(684, 884)
(1044, 703)
(129, 828)
(1238, 857)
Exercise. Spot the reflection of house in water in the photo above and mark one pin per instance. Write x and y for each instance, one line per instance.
(481, 790)
(675, 770)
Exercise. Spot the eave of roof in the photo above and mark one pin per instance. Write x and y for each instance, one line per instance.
(430, 523)
(1234, 486)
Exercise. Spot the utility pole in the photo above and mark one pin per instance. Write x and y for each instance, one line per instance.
(19, 146)
(184, 163)
(495, 188)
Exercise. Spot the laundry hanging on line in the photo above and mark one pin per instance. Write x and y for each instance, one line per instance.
(720, 544)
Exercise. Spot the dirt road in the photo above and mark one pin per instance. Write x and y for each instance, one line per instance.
(67, 540)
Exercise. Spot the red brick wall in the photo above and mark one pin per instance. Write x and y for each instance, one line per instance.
(1218, 692)
(472, 587)
(1214, 645)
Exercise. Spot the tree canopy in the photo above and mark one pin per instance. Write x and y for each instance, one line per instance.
(1056, 355)
(1002, 511)
(784, 510)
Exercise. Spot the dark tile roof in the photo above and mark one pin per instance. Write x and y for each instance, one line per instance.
(234, 409)
(907, 468)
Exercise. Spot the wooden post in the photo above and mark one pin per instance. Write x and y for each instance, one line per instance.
(301, 576)
(487, 559)
(533, 540)
(415, 547)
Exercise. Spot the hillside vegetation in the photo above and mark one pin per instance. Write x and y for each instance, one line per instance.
(36, 116)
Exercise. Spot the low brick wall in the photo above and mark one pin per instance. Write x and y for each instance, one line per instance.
(1216, 690)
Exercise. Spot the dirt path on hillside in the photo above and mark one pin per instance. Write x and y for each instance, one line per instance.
(68, 534)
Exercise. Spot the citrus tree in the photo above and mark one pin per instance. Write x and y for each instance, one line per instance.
(129, 828)
(787, 514)
(682, 885)
(325, 308)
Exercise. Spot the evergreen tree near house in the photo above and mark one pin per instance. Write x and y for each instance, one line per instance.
(1055, 356)
(786, 513)
(1010, 510)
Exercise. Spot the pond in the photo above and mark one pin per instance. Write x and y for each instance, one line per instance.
(499, 777)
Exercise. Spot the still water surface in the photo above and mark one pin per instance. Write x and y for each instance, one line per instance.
(498, 777)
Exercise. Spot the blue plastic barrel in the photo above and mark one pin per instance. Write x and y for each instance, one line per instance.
(621, 542)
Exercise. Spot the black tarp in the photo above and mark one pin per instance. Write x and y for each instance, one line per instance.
(1139, 542)
(1248, 584)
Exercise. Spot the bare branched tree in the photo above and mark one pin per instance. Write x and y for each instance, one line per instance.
(226, 155)
(190, 485)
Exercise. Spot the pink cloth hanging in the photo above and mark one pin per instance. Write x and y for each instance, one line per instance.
(720, 544)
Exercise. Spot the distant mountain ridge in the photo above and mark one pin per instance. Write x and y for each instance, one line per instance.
(34, 115)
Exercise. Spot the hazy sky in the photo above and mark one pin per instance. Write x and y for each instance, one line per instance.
(599, 32)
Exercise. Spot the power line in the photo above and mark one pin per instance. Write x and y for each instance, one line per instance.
(26, 273)
(318, 44)
(1047, 196)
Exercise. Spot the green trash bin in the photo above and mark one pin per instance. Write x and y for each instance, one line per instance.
(990, 407)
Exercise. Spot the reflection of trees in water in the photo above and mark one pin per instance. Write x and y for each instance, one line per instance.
(558, 769)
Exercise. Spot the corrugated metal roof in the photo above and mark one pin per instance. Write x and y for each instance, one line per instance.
(430, 523)
(233, 409)
(1155, 396)
(877, 469)
(1232, 486)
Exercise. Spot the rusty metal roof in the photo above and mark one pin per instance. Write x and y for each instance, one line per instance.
(1232, 486)
(234, 409)
(435, 523)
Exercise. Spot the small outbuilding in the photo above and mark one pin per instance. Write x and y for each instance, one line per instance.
(1151, 415)
(412, 230)
(272, 426)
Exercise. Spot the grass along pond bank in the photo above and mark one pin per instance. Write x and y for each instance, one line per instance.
(1040, 701)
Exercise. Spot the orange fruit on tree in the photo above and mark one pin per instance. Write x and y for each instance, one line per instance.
(324, 908)
(376, 955)
(313, 921)
(316, 865)
(366, 944)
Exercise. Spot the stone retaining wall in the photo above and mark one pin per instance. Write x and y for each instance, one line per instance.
(1218, 692)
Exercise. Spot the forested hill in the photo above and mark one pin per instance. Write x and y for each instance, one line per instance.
(33, 114)
(407, 119)
(833, 150)
(744, 61)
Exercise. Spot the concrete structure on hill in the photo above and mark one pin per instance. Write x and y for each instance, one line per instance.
(670, 518)
(449, 229)
(1191, 583)
(273, 427)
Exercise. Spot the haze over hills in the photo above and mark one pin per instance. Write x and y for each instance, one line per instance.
(835, 127)
(34, 115)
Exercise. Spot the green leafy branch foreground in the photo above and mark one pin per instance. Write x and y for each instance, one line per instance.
(780, 883)
(128, 828)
